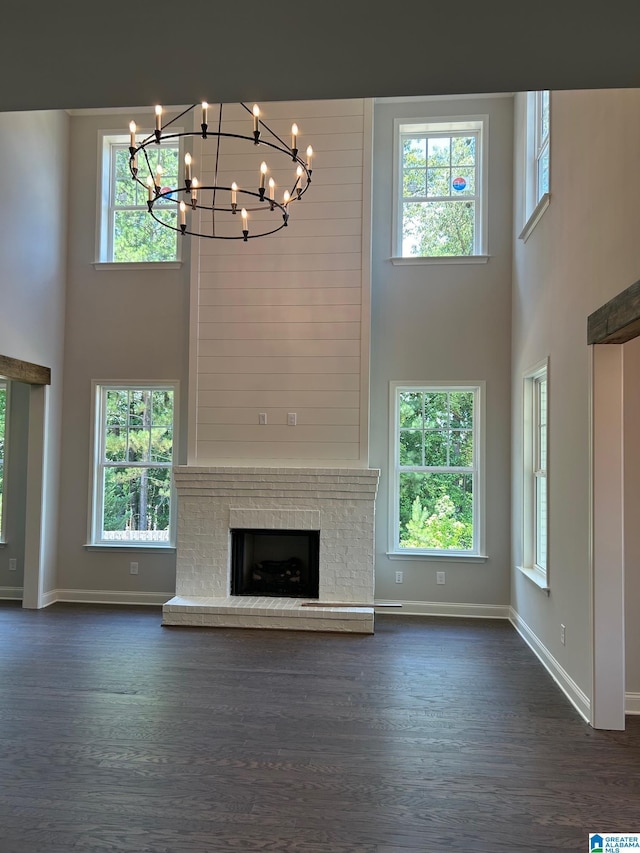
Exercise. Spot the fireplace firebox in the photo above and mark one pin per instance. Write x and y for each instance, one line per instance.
(282, 563)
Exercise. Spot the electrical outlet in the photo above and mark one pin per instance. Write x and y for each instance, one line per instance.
(133, 568)
(399, 577)
(439, 577)
(262, 418)
(13, 564)
(562, 634)
(292, 419)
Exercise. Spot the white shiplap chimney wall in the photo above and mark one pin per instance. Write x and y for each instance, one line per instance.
(281, 324)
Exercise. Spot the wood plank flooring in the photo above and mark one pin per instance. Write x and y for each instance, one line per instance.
(434, 735)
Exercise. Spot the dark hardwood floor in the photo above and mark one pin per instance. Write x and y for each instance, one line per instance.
(434, 736)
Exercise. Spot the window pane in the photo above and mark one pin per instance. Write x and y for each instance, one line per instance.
(411, 447)
(414, 152)
(442, 228)
(139, 440)
(436, 410)
(439, 181)
(541, 522)
(436, 511)
(439, 151)
(161, 444)
(138, 237)
(126, 192)
(411, 410)
(435, 448)
(463, 183)
(461, 448)
(544, 114)
(162, 408)
(136, 504)
(461, 409)
(463, 151)
(117, 408)
(414, 182)
(115, 444)
(543, 172)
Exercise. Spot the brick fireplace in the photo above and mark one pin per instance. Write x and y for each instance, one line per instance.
(338, 503)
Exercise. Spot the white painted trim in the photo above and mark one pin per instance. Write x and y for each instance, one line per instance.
(110, 266)
(452, 557)
(572, 691)
(49, 598)
(536, 576)
(439, 608)
(535, 217)
(11, 593)
(419, 260)
(365, 288)
(632, 703)
(109, 596)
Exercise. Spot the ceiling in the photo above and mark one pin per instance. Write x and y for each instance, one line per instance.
(76, 54)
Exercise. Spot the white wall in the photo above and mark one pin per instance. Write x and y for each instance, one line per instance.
(283, 321)
(449, 323)
(631, 373)
(121, 325)
(584, 250)
(33, 233)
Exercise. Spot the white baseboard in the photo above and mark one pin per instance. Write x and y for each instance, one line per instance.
(632, 703)
(574, 694)
(109, 596)
(49, 598)
(436, 608)
(14, 593)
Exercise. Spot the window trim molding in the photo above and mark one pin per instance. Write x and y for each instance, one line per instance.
(478, 554)
(93, 541)
(452, 123)
(533, 206)
(106, 138)
(538, 575)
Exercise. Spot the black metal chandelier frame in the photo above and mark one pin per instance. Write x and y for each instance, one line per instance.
(157, 193)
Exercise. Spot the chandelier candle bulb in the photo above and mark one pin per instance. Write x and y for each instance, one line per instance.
(150, 188)
(263, 172)
(183, 216)
(194, 193)
(187, 167)
(309, 156)
(205, 112)
(256, 128)
(132, 132)
(158, 177)
(299, 174)
(272, 191)
(158, 121)
(245, 227)
(294, 140)
(234, 196)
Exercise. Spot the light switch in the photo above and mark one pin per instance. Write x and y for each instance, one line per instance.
(292, 419)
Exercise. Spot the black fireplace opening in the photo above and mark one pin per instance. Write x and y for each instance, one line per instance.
(275, 563)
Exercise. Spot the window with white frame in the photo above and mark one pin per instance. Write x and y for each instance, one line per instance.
(537, 158)
(437, 469)
(128, 233)
(440, 188)
(135, 430)
(3, 433)
(535, 498)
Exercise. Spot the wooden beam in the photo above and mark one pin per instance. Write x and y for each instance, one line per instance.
(24, 371)
(618, 320)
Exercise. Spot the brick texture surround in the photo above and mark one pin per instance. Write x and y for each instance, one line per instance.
(338, 502)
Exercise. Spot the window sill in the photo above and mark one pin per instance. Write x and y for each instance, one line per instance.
(132, 546)
(454, 558)
(449, 259)
(535, 217)
(142, 265)
(536, 577)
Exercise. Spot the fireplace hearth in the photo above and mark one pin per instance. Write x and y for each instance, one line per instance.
(281, 563)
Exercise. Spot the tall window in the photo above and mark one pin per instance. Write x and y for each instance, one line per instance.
(440, 189)
(135, 430)
(437, 469)
(535, 475)
(3, 429)
(128, 231)
(537, 159)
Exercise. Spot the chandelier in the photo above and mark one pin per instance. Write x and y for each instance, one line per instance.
(218, 208)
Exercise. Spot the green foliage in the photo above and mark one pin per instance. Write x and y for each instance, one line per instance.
(138, 429)
(437, 219)
(440, 529)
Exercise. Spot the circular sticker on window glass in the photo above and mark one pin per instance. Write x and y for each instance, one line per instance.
(459, 184)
